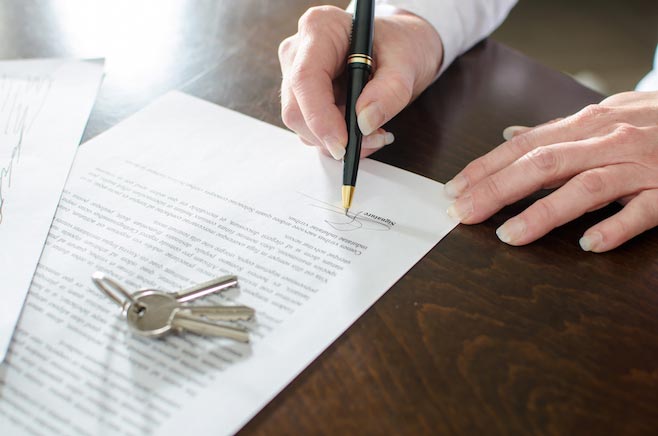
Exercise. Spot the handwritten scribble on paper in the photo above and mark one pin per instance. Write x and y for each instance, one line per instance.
(351, 221)
(21, 101)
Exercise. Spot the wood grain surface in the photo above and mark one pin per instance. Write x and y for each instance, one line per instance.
(479, 337)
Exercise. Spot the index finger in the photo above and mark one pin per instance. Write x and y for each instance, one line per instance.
(319, 60)
(592, 121)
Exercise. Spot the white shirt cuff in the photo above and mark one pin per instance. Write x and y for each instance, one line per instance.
(460, 23)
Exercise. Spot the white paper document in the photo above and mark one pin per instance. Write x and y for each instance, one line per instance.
(44, 106)
(182, 192)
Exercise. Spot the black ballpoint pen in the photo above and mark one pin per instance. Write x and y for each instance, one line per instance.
(359, 66)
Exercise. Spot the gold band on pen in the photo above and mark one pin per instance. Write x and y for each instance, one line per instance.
(360, 58)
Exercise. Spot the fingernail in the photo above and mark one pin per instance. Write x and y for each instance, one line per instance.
(377, 140)
(370, 118)
(511, 231)
(456, 186)
(335, 147)
(510, 131)
(591, 242)
(461, 209)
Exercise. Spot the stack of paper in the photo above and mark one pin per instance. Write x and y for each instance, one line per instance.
(180, 193)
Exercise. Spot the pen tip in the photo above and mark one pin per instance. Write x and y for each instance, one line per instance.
(347, 210)
(348, 193)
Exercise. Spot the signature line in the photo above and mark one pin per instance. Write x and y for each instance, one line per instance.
(347, 222)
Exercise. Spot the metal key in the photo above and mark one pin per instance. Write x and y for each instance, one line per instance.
(220, 313)
(210, 287)
(197, 291)
(156, 313)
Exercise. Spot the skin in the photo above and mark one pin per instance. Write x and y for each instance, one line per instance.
(407, 52)
(604, 153)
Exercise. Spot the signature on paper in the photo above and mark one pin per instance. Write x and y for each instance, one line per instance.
(20, 103)
(351, 221)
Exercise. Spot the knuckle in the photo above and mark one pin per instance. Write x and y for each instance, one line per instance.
(315, 17)
(591, 112)
(653, 207)
(300, 78)
(545, 159)
(521, 144)
(591, 181)
(309, 18)
(621, 229)
(401, 88)
(284, 47)
(494, 188)
(545, 210)
(292, 116)
(307, 141)
(626, 133)
(618, 98)
(477, 168)
(317, 121)
(644, 210)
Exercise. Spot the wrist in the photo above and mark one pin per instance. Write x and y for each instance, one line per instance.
(423, 40)
(425, 32)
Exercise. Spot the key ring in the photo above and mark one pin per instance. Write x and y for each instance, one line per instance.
(100, 280)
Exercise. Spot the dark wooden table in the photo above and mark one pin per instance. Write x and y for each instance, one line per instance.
(479, 337)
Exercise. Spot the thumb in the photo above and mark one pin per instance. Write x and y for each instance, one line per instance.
(385, 95)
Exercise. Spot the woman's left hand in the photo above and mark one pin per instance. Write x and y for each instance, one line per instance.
(606, 152)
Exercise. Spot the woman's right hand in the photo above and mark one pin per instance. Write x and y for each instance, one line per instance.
(407, 52)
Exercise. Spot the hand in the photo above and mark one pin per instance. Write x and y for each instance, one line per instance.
(603, 153)
(407, 52)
